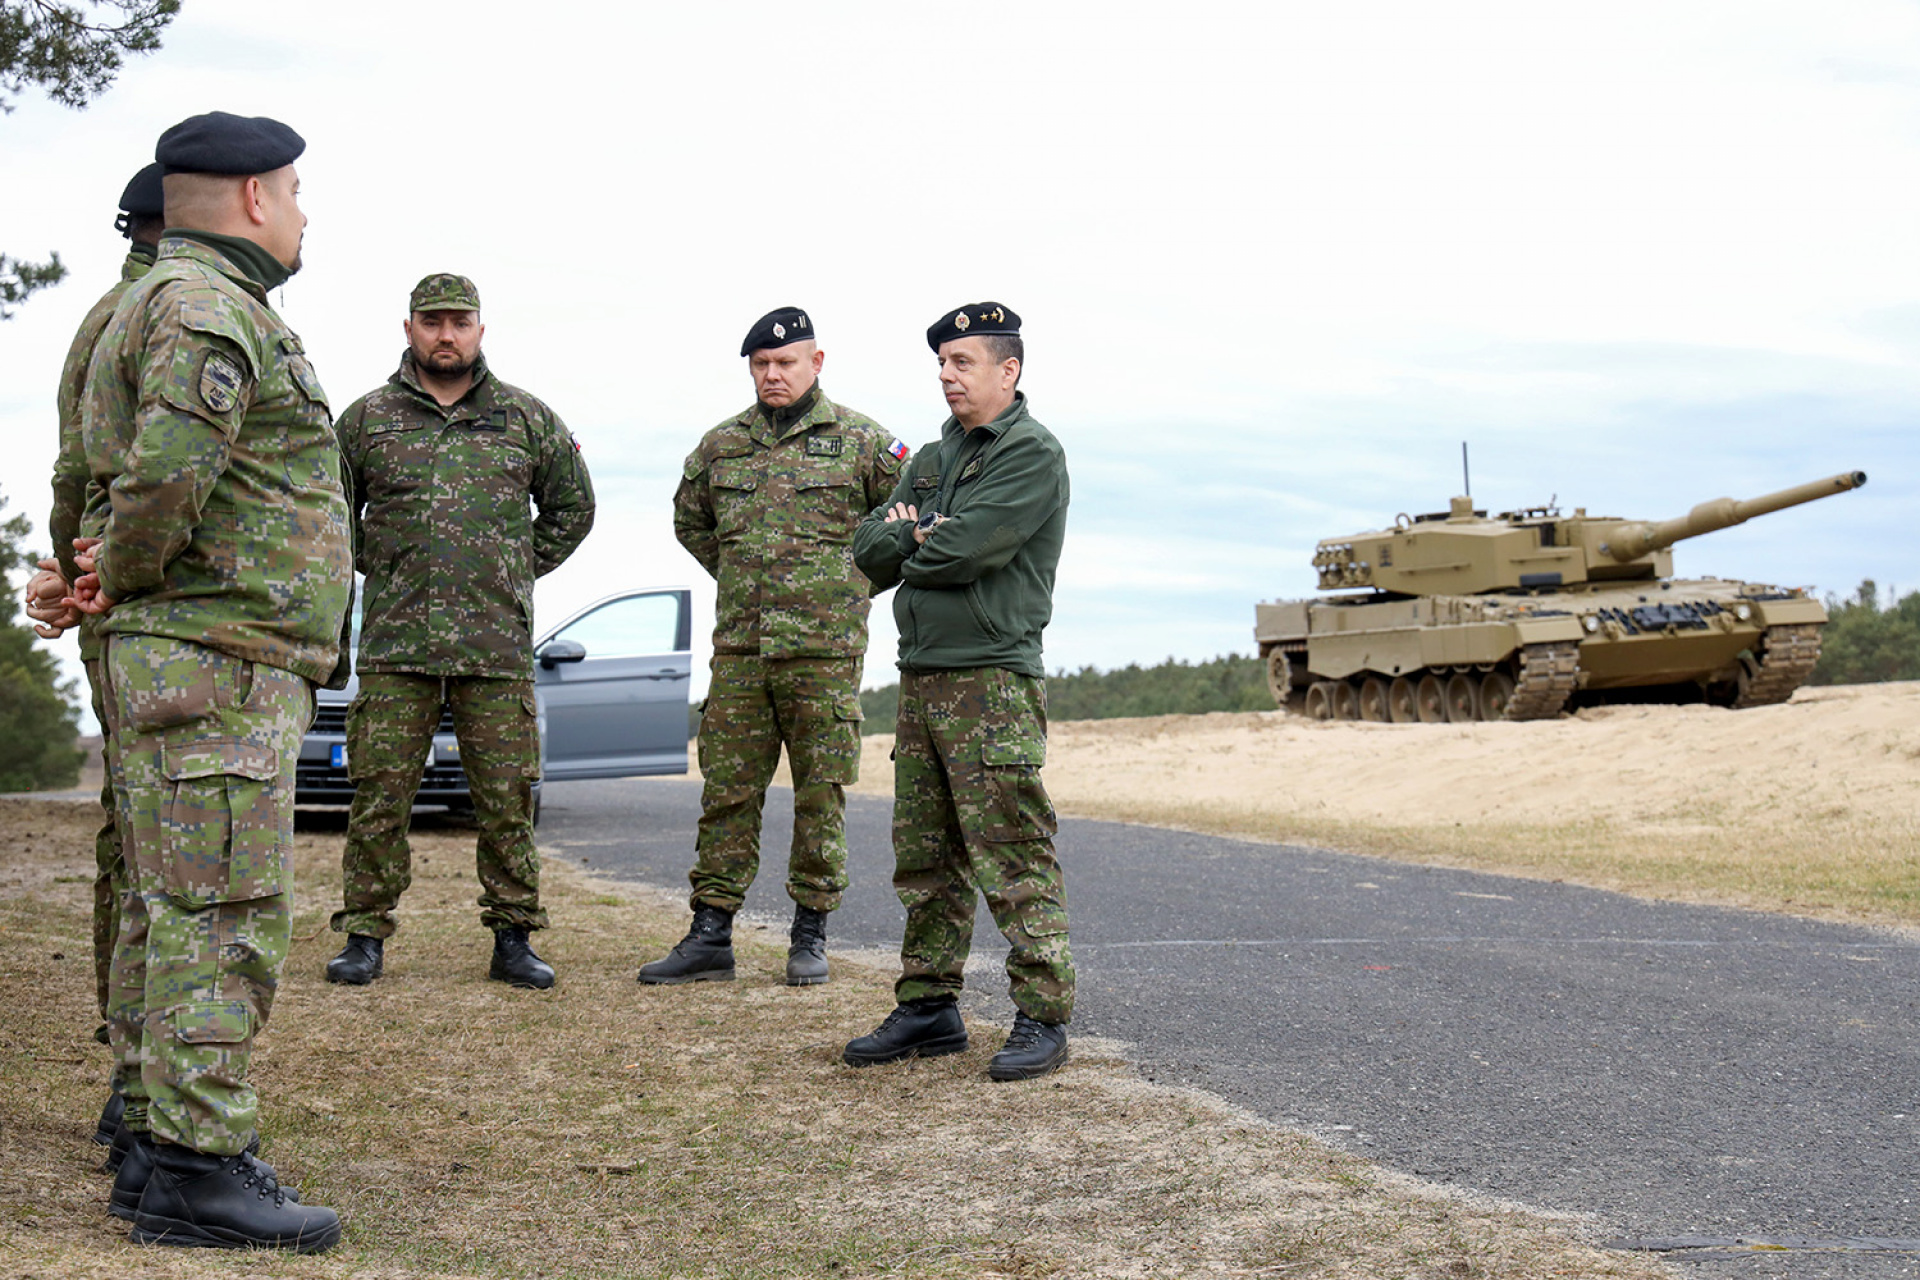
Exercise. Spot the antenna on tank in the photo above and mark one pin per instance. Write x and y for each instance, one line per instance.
(1466, 476)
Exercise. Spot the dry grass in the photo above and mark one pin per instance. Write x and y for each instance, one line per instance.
(605, 1129)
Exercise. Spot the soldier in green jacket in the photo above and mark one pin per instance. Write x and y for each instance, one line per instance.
(767, 504)
(222, 569)
(140, 221)
(445, 464)
(971, 535)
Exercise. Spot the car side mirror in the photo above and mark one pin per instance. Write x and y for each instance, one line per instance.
(555, 652)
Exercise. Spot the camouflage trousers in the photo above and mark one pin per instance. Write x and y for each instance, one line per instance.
(109, 865)
(753, 706)
(390, 727)
(970, 812)
(203, 765)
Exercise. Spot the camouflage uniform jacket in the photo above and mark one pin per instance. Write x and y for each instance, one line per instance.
(770, 511)
(215, 474)
(70, 468)
(979, 590)
(443, 523)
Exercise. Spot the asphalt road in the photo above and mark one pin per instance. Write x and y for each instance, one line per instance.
(1690, 1075)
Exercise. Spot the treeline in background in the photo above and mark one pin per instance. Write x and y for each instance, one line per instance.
(1865, 642)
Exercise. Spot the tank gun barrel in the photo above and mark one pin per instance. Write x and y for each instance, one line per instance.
(1634, 539)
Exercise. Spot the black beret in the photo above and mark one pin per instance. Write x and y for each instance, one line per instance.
(976, 320)
(218, 142)
(777, 328)
(143, 197)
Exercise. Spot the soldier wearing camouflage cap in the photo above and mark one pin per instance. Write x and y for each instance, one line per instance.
(445, 467)
(971, 535)
(767, 504)
(216, 550)
(140, 221)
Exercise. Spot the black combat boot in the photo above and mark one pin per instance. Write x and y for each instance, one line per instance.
(130, 1180)
(359, 961)
(1032, 1049)
(207, 1201)
(925, 1028)
(704, 955)
(807, 948)
(123, 1139)
(110, 1117)
(514, 961)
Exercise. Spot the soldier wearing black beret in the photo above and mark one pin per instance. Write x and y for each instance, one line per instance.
(140, 221)
(971, 536)
(218, 565)
(767, 502)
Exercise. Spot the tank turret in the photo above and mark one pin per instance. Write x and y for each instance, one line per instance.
(1459, 616)
(1463, 552)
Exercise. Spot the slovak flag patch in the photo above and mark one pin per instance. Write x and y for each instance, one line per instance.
(899, 450)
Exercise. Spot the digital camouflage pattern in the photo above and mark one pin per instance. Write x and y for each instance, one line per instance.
(770, 511)
(390, 726)
(445, 531)
(109, 862)
(813, 705)
(215, 474)
(204, 778)
(969, 809)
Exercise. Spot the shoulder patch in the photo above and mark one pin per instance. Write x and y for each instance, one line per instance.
(898, 449)
(220, 380)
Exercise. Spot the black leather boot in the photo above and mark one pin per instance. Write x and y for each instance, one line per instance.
(110, 1117)
(704, 955)
(206, 1201)
(919, 1029)
(1032, 1049)
(123, 1140)
(358, 962)
(130, 1180)
(514, 961)
(807, 948)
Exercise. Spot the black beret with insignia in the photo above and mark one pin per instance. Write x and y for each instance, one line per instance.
(978, 319)
(219, 142)
(777, 328)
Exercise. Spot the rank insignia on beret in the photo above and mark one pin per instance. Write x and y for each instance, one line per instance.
(996, 315)
(899, 450)
(220, 379)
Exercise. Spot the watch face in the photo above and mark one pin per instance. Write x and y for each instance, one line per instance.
(928, 520)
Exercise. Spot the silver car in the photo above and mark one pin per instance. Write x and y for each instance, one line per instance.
(611, 682)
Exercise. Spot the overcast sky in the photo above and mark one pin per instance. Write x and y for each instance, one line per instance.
(1277, 261)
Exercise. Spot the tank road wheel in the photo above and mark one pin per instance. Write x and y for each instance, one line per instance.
(1320, 700)
(1496, 691)
(1785, 660)
(1463, 699)
(1401, 706)
(1430, 699)
(1346, 701)
(1373, 700)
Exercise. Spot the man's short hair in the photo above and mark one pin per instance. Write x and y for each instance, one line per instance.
(1007, 346)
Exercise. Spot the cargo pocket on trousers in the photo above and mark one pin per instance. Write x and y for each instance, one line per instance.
(215, 1022)
(221, 828)
(1015, 807)
(839, 759)
(532, 760)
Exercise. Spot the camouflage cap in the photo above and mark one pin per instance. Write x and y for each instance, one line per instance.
(975, 320)
(444, 291)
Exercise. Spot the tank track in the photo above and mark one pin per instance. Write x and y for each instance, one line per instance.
(1786, 659)
(1545, 680)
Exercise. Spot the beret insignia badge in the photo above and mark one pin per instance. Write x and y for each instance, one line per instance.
(779, 331)
(220, 379)
(961, 322)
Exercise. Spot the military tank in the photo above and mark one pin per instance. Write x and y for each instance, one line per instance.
(1459, 616)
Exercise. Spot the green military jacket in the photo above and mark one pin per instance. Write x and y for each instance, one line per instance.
(215, 474)
(979, 591)
(444, 527)
(769, 510)
(70, 468)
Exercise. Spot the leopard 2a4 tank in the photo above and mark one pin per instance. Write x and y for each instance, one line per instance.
(1460, 616)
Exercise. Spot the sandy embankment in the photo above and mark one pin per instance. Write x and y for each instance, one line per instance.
(1783, 806)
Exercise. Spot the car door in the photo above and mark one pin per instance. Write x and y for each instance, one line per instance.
(613, 682)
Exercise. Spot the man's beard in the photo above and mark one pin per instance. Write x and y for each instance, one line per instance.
(447, 364)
